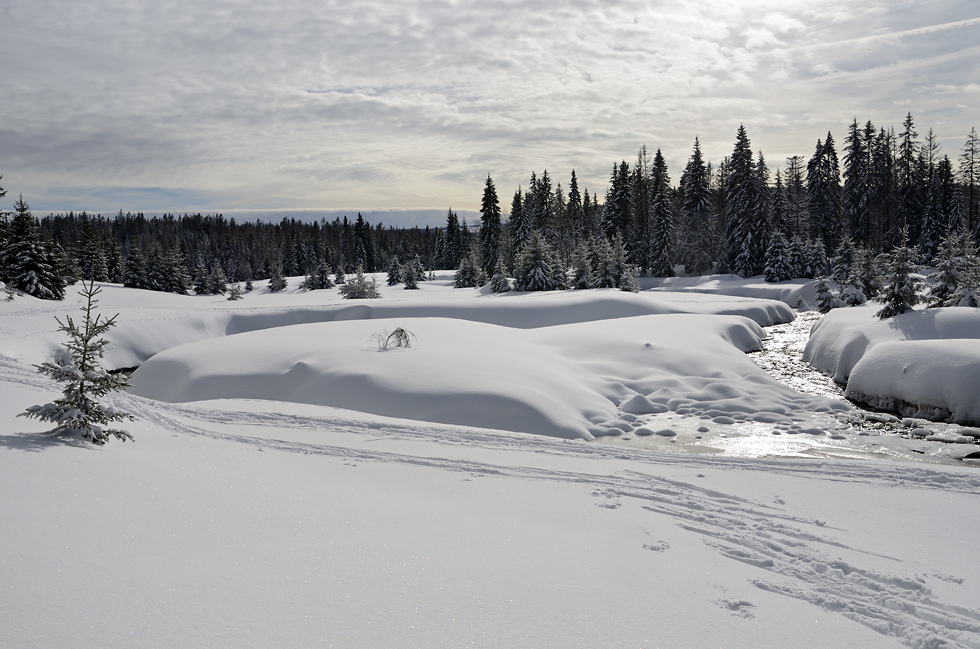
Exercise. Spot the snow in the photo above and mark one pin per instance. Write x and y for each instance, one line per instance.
(453, 499)
(922, 363)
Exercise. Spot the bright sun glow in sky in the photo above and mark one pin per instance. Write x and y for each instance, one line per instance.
(363, 105)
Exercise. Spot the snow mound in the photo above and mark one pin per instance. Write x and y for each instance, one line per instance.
(524, 310)
(571, 380)
(843, 336)
(933, 379)
(788, 292)
(150, 322)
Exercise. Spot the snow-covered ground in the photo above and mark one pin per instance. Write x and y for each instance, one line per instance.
(293, 485)
(922, 363)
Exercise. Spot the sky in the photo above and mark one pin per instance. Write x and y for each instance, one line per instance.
(400, 109)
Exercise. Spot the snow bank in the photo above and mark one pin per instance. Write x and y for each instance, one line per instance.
(923, 363)
(575, 380)
(150, 322)
(787, 292)
(525, 310)
(931, 379)
(843, 336)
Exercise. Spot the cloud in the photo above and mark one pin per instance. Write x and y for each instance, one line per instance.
(317, 103)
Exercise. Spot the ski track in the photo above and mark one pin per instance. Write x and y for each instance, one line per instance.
(798, 557)
(795, 553)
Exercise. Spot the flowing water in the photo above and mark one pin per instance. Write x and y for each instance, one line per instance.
(782, 357)
(857, 433)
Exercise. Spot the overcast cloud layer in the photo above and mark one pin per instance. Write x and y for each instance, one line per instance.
(364, 105)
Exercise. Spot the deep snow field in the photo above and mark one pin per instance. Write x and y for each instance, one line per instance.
(576, 469)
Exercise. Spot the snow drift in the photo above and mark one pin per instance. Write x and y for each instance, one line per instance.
(923, 363)
(574, 380)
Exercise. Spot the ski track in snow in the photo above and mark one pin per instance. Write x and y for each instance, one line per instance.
(795, 552)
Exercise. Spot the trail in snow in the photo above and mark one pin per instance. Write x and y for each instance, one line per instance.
(801, 555)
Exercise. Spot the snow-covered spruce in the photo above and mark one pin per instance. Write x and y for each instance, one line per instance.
(499, 282)
(359, 287)
(78, 411)
(825, 297)
(901, 291)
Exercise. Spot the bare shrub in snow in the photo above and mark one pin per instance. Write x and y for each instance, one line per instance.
(397, 338)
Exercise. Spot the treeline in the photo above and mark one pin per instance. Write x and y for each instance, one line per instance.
(190, 252)
(884, 190)
(810, 219)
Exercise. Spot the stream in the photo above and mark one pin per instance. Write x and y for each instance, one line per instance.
(856, 434)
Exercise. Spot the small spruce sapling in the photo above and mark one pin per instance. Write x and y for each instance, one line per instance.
(901, 291)
(86, 381)
(394, 272)
(410, 277)
(499, 282)
(359, 287)
(825, 297)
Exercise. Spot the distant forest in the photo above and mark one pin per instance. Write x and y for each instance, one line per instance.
(883, 190)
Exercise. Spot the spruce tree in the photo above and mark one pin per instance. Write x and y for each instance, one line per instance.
(823, 192)
(394, 272)
(697, 227)
(469, 274)
(866, 270)
(581, 268)
(217, 281)
(359, 287)
(660, 258)
(842, 260)
(617, 210)
(574, 208)
(537, 268)
(499, 282)
(817, 258)
(947, 277)
(4, 237)
(745, 227)
(778, 268)
(177, 279)
(909, 183)
(779, 216)
(825, 298)
(277, 281)
(604, 267)
(901, 291)
(419, 268)
(519, 225)
(79, 411)
(135, 272)
(318, 277)
(969, 171)
(410, 277)
(490, 227)
(856, 199)
(797, 257)
(26, 259)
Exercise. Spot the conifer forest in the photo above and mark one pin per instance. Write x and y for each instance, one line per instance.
(839, 213)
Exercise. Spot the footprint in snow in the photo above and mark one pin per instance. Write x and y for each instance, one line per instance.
(738, 607)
